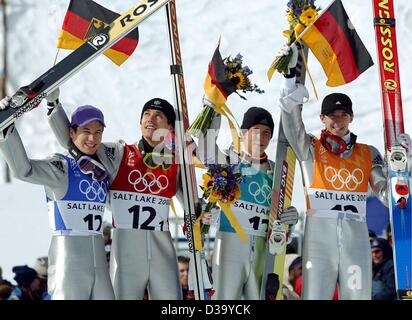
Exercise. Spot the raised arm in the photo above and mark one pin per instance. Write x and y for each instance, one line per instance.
(50, 172)
(57, 118)
(207, 150)
(291, 98)
(60, 125)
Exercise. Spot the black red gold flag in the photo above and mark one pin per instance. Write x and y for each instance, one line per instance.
(217, 85)
(336, 44)
(84, 19)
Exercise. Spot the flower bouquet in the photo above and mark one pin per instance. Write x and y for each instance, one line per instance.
(221, 184)
(300, 14)
(224, 77)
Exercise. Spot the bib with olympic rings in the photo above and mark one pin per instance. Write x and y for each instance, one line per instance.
(81, 210)
(340, 184)
(139, 195)
(252, 208)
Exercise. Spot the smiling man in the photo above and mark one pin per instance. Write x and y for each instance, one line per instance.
(238, 264)
(143, 177)
(76, 187)
(337, 172)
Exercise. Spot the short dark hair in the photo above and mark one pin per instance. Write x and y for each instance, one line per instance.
(183, 259)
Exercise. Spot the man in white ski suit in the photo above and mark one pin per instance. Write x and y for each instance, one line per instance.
(337, 171)
(76, 203)
(238, 265)
(141, 188)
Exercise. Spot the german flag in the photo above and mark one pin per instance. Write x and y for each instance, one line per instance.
(84, 19)
(217, 86)
(335, 43)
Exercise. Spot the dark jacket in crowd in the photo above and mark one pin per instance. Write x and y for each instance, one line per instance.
(383, 274)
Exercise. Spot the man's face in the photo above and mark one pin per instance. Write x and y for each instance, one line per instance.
(153, 120)
(43, 286)
(377, 255)
(337, 122)
(257, 139)
(37, 287)
(87, 138)
(295, 273)
(183, 273)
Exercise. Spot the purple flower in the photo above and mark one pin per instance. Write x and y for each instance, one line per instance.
(239, 57)
(231, 185)
(247, 71)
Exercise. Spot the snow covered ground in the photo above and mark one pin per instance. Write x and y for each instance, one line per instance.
(251, 28)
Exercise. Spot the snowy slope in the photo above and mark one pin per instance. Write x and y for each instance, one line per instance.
(252, 28)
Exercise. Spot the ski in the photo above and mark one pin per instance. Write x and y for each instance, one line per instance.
(282, 189)
(398, 175)
(28, 97)
(201, 278)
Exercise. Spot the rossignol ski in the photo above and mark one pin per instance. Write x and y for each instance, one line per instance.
(282, 189)
(201, 280)
(28, 97)
(398, 173)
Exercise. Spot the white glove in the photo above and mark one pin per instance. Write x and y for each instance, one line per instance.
(4, 133)
(52, 100)
(285, 51)
(211, 217)
(405, 141)
(295, 98)
(5, 102)
(53, 97)
(289, 216)
(277, 238)
(207, 102)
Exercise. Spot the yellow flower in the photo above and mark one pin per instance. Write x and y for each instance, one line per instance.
(291, 18)
(207, 181)
(291, 21)
(237, 193)
(224, 173)
(238, 79)
(308, 16)
(214, 197)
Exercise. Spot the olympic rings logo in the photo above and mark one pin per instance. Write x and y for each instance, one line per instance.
(344, 178)
(261, 194)
(148, 182)
(94, 190)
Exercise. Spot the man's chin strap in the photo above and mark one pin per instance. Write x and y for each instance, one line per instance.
(77, 154)
(74, 151)
(343, 145)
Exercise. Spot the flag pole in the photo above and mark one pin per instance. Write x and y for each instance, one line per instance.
(313, 22)
(55, 58)
(304, 59)
(3, 80)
